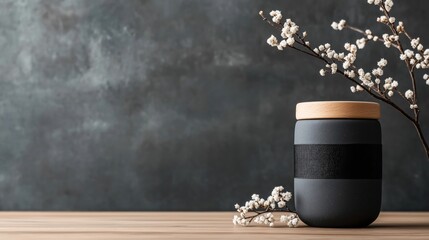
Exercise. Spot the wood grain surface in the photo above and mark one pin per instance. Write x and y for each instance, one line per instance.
(192, 225)
(337, 109)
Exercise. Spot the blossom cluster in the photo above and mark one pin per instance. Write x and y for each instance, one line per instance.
(411, 51)
(288, 32)
(277, 16)
(415, 57)
(264, 208)
(291, 220)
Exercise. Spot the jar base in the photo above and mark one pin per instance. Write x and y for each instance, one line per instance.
(338, 203)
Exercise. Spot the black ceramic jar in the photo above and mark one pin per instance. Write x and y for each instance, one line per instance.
(338, 163)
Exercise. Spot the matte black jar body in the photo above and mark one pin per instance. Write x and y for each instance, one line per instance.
(338, 168)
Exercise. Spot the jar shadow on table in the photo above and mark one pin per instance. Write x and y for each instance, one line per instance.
(398, 226)
(404, 226)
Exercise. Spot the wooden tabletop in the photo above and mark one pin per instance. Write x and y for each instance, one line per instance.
(192, 225)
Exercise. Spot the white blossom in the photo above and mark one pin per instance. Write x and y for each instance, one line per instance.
(322, 72)
(334, 68)
(330, 53)
(361, 43)
(350, 73)
(377, 72)
(359, 88)
(415, 42)
(289, 29)
(255, 197)
(418, 56)
(291, 220)
(408, 53)
(409, 94)
(267, 218)
(390, 93)
(388, 4)
(413, 106)
(239, 220)
(427, 82)
(334, 25)
(353, 48)
(382, 62)
(339, 26)
(400, 28)
(276, 198)
(290, 41)
(382, 19)
(272, 41)
(377, 80)
(266, 203)
(393, 37)
(375, 2)
(388, 84)
(277, 16)
(347, 46)
(425, 77)
(388, 80)
(388, 44)
(346, 64)
(287, 196)
(353, 89)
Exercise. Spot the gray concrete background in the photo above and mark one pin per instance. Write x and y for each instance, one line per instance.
(176, 105)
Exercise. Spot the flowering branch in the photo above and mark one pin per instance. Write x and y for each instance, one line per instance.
(263, 209)
(368, 81)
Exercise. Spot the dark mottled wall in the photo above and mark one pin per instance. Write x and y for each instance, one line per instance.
(176, 105)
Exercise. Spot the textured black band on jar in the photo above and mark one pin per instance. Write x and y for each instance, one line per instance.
(338, 161)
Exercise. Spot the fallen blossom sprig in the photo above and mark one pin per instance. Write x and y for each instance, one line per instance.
(373, 82)
(262, 209)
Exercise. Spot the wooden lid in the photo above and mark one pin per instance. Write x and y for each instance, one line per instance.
(337, 109)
